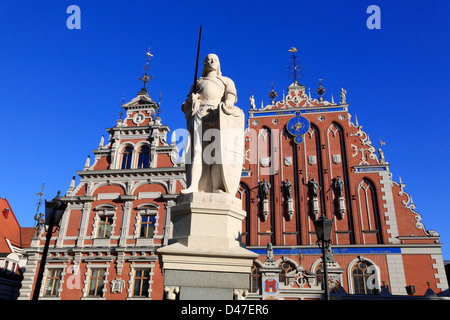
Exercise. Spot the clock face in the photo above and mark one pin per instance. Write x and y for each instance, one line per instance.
(297, 126)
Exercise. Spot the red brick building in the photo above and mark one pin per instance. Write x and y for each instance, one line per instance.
(316, 159)
(375, 225)
(13, 238)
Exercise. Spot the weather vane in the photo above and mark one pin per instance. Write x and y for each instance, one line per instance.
(40, 194)
(145, 77)
(294, 69)
(39, 217)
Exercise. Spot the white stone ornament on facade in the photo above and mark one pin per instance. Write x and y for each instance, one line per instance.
(138, 118)
(171, 292)
(264, 162)
(117, 285)
(336, 158)
(290, 208)
(288, 161)
(265, 209)
(340, 207)
(343, 96)
(315, 208)
(312, 160)
(252, 102)
(240, 294)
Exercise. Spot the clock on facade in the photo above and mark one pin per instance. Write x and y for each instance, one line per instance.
(297, 126)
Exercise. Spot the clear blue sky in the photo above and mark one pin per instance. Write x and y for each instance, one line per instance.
(60, 88)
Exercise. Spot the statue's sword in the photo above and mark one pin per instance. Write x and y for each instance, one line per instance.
(196, 62)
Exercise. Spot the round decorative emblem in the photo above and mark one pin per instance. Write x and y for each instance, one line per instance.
(138, 118)
(297, 126)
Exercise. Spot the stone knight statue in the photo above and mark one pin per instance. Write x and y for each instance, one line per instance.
(216, 126)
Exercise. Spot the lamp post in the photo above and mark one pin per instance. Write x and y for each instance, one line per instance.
(54, 210)
(323, 232)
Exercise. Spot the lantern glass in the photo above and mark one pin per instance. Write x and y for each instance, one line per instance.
(323, 228)
(54, 210)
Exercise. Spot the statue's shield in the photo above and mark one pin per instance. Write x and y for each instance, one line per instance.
(232, 148)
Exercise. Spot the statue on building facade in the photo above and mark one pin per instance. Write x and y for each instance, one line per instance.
(269, 252)
(338, 186)
(313, 187)
(343, 96)
(288, 198)
(288, 189)
(40, 221)
(264, 187)
(216, 126)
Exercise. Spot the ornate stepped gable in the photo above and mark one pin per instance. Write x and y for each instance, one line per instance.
(122, 201)
(371, 209)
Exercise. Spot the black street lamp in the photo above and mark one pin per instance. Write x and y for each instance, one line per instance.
(54, 210)
(323, 231)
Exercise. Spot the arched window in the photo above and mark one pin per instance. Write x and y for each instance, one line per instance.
(255, 279)
(368, 210)
(127, 154)
(243, 193)
(286, 267)
(362, 278)
(144, 157)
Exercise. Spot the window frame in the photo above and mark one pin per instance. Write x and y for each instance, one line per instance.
(255, 280)
(350, 278)
(143, 160)
(151, 210)
(96, 294)
(101, 211)
(56, 282)
(107, 227)
(144, 281)
(126, 158)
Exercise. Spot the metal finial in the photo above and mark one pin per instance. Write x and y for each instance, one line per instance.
(40, 194)
(121, 108)
(320, 90)
(294, 69)
(145, 77)
(273, 94)
(158, 110)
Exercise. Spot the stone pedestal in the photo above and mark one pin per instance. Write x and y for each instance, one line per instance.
(204, 259)
(341, 207)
